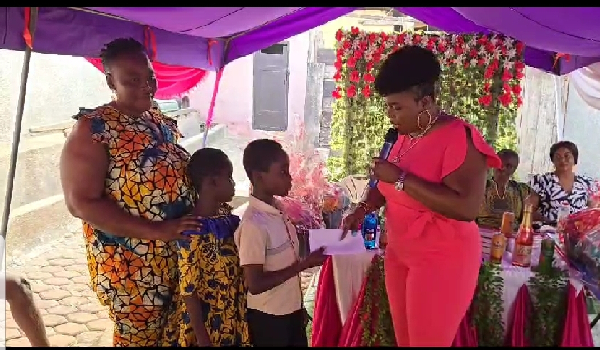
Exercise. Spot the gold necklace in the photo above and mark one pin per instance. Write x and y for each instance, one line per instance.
(497, 189)
(414, 141)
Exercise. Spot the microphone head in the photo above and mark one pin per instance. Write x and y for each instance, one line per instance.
(392, 135)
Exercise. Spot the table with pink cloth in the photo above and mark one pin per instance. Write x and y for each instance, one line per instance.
(342, 279)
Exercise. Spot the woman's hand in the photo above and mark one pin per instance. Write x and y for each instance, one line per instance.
(352, 221)
(169, 230)
(385, 171)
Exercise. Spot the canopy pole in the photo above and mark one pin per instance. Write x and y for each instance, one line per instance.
(31, 16)
(213, 100)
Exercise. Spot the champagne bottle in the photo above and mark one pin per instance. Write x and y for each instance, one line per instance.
(524, 241)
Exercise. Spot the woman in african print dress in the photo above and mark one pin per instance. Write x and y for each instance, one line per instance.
(211, 279)
(503, 194)
(123, 174)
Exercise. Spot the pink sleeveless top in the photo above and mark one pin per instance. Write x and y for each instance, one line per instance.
(408, 222)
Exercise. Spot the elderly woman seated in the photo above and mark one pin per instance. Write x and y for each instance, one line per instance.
(503, 194)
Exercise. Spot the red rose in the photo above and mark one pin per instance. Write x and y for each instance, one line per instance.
(505, 99)
(351, 91)
(485, 100)
(339, 54)
(347, 44)
(357, 55)
(376, 57)
(369, 66)
(473, 53)
(519, 46)
(354, 76)
(372, 38)
(369, 78)
(337, 93)
(351, 63)
(366, 91)
(337, 76)
(338, 64)
(519, 65)
(516, 89)
(506, 75)
(489, 72)
(487, 86)
(354, 30)
(339, 35)
(519, 75)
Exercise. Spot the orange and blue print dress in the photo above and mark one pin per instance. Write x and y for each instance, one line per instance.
(137, 279)
(210, 270)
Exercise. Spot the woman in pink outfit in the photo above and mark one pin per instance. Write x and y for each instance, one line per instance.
(432, 185)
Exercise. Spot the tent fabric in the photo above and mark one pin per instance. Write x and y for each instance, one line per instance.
(183, 34)
(586, 82)
(66, 31)
(173, 81)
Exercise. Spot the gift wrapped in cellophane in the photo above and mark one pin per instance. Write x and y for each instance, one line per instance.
(580, 234)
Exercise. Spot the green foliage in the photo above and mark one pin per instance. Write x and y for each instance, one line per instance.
(488, 306)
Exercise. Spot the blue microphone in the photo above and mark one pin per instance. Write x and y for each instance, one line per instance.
(390, 139)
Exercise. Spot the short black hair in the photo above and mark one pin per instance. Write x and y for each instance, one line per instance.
(260, 154)
(411, 67)
(565, 144)
(206, 162)
(508, 153)
(119, 47)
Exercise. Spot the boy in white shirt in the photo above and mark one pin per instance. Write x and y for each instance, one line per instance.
(268, 248)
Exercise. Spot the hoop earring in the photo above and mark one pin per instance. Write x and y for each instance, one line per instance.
(113, 95)
(419, 120)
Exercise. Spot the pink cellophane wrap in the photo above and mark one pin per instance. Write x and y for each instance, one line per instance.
(521, 316)
(311, 194)
(466, 337)
(577, 325)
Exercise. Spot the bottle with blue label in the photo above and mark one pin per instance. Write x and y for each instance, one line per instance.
(369, 230)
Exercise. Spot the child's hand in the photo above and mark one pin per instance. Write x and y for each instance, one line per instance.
(316, 258)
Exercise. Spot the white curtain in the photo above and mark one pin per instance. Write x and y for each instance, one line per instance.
(587, 83)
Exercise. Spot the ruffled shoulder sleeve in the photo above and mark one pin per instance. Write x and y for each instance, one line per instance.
(456, 151)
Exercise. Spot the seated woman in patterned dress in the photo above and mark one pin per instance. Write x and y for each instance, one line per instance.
(123, 174)
(562, 186)
(503, 194)
(211, 279)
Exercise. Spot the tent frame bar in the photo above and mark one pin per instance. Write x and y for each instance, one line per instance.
(18, 122)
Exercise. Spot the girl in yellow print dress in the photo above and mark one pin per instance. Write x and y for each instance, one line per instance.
(211, 280)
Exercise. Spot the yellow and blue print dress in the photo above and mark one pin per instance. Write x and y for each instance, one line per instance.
(209, 269)
(146, 177)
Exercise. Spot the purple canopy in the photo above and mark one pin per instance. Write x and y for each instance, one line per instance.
(209, 37)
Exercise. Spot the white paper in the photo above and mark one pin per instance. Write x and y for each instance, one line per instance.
(353, 243)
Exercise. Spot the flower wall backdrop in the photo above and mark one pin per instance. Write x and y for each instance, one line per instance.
(480, 82)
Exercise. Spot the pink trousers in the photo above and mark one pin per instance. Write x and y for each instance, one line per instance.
(430, 284)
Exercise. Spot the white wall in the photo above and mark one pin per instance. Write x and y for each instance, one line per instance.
(57, 87)
(234, 100)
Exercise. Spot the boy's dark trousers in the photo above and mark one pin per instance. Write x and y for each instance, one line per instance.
(277, 330)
